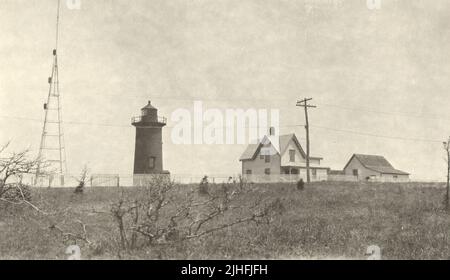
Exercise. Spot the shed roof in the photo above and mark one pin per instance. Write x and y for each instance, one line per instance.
(376, 163)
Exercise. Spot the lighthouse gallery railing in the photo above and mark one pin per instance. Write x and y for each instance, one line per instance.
(139, 119)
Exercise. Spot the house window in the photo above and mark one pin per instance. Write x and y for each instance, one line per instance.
(151, 162)
(395, 177)
(292, 155)
(267, 158)
(267, 171)
(248, 172)
(355, 172)
(314, 172)
(371, 178)
(261, 156)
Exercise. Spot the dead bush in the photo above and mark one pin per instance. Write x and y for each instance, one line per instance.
(164, 213)
(16, 193)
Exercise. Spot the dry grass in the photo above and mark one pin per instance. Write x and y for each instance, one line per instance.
(326, 220)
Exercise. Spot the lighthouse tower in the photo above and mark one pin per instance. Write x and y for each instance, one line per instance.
(148, 149)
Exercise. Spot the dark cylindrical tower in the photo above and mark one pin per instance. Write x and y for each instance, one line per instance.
(148, 157)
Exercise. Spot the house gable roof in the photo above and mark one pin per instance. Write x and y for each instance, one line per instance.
(249, 152)
(376, 163)
(252, 150)
(284, 143)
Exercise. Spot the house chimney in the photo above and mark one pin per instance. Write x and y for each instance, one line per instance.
(272, 131)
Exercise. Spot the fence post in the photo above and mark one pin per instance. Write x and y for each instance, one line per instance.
(50, 180)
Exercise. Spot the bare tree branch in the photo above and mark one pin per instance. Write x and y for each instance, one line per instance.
(171, 216)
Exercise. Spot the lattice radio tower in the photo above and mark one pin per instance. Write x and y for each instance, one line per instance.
(52, 149)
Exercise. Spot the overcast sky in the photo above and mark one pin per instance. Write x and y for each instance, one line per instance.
(375, 72)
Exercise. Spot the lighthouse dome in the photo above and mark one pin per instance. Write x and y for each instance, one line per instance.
(149, 113)
(149, 106)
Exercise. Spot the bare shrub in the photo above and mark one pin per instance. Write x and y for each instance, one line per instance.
(203, 188)
(14, 166)
(16, 193)
(164, 213)
(82, 181)
(300, 185)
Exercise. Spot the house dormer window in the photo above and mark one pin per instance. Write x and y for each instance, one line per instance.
(292, 155)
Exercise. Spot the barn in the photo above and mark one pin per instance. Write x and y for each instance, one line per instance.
(374, 168)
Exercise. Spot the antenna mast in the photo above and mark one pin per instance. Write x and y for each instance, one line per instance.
(52, 148)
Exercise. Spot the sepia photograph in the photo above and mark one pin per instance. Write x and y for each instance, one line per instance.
(228, 130)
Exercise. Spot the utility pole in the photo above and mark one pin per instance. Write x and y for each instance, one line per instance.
(304, 103)
(447, 150)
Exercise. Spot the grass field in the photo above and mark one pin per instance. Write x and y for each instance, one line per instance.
(324, 221)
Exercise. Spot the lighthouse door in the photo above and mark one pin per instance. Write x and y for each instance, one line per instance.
(151, 163)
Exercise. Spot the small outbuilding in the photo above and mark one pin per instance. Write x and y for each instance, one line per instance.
(374, 168)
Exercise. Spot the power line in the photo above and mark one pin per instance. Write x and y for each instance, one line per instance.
(287, 100)
(224, 127)
(370, 110)
(378, 135)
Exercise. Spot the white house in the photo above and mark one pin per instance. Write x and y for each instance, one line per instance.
(374, 168)
(280, 158)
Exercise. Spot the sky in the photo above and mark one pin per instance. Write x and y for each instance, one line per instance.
(379, 77)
